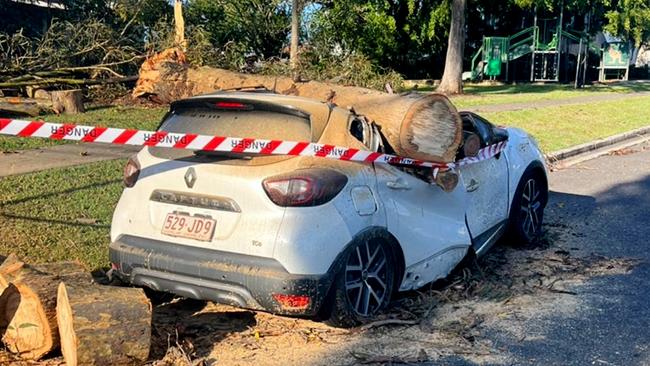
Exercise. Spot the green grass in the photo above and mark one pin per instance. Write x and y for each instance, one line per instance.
(122, 117)
(60, 214)
(477, 95)
(563, 126)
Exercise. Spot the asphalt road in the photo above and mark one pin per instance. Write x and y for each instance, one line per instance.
(606, 204)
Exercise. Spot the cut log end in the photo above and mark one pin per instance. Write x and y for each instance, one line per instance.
(29, 334)
(66, 327)
(28, 305)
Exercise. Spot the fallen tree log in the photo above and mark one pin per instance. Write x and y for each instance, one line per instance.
(28, 305)
(28, 106)
(103, 325)
(418, 126)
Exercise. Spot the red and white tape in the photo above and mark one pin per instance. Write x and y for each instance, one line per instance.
(120, 136)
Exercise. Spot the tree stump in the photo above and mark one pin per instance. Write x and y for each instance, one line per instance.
(68, 101)
(28, 305)
(103, 325)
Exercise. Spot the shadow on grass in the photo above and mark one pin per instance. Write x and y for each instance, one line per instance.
(57, 222)
(63, 192)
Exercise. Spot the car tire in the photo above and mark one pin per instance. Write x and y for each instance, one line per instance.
(527, 210)
(364, 285)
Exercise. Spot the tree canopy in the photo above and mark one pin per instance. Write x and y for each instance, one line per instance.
(408, 36)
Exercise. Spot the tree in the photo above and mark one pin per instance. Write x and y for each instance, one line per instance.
(296, 9)
(259, 26)
(629, 19)
(452, 82)
(403, 35)
(179, 22)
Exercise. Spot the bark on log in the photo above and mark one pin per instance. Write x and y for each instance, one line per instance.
(418, 126)
(68, 101)
(28, 106)
(103, 325)
(28, 305)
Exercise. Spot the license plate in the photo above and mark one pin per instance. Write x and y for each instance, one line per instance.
(192, 227)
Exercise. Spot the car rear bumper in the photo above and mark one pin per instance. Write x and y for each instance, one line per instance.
(204, 274)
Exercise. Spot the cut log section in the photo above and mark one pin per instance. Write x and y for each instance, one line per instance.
(28, 306)
(68, 101)
(103, 325)
(27, 106)
(418, 126)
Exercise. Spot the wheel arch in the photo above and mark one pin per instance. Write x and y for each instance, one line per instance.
(537, 167)
(339, 262)
(383, 234)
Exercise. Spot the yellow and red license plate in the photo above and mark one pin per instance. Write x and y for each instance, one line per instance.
(192, 227)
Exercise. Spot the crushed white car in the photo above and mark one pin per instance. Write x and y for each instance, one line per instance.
(304, 235)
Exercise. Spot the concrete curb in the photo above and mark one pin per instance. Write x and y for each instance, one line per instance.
(589, 147)
(593, 149)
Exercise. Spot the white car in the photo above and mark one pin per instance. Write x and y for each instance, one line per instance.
(305, 235)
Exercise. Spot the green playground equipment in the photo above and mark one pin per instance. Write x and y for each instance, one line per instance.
(542, 43)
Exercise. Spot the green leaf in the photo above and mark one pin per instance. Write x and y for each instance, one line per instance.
(27, 325)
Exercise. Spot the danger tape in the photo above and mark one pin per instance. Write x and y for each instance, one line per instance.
(188, 141)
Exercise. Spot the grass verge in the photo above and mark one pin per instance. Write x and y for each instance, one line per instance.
(477, 95)
(563, 126)
(120, 117)
(60, 214)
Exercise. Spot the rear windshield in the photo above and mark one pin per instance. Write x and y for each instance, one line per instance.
(257, 124)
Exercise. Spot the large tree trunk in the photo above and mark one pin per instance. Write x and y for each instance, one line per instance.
(296, 8)
(103, 325)
(28, 305)
(452, 82)
(419, 126)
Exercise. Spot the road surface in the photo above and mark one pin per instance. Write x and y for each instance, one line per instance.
(605, 203)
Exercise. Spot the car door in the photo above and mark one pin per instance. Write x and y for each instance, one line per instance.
(486, 185)
(428, 223)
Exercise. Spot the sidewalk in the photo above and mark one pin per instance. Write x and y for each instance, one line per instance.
(27, 161)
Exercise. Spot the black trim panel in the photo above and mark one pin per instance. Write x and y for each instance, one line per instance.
(230, 278)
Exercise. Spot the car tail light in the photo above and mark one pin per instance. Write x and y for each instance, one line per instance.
(131, 172)
(293, 302)
(233, 105)
(304, 188)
